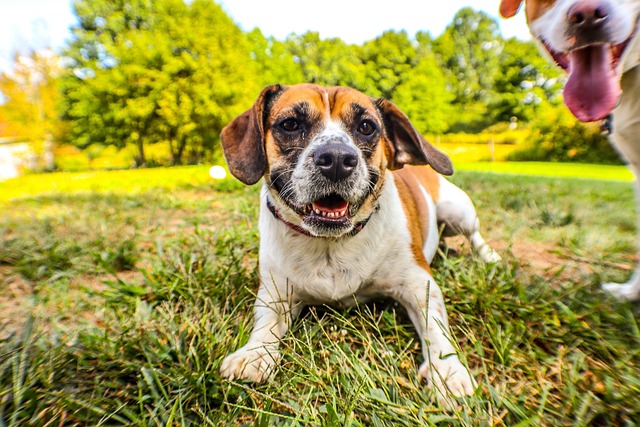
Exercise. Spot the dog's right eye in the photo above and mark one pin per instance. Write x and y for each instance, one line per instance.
(290, 125)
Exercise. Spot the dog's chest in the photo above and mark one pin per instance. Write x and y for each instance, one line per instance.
(331, 273)
(324, 271)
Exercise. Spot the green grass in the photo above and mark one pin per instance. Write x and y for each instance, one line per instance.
(121, 292)
(560, 170)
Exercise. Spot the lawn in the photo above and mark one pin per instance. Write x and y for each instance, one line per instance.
(122, 291)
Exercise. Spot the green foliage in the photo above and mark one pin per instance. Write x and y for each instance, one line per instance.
(274, 60)
(566, 141)
(528, 85)
(328, 62)
(387, 61)
(469, 49)
(424, 98)
(159, 79)
(148, 72)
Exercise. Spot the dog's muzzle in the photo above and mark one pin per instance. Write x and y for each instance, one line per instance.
(329, 184)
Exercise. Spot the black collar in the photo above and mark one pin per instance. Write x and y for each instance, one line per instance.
(358, 227)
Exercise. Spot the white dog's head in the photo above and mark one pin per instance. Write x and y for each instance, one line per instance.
(590, 39)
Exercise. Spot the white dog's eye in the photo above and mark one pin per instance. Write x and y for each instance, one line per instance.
(366, 127)
(290, 125)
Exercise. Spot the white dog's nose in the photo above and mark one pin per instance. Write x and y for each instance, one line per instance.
(588, 14)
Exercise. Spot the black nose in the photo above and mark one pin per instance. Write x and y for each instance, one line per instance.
(588, 14)
(336, 161)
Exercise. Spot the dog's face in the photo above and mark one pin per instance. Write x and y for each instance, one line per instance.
(323, 153)
(588, 39)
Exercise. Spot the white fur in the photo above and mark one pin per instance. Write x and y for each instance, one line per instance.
(433, 238)
(626, 139)
(298, 270)
(456, 210)
(624, 15)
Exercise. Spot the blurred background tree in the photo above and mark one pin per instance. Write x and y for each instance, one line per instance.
(31, 97)
(164, 76)
(149, 71)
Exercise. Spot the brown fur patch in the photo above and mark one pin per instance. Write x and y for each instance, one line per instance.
(537, 8)
(429, 179)
(416, 210)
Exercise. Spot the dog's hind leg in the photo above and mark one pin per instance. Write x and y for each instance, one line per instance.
(455, 210)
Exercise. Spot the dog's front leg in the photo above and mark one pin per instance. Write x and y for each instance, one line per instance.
(626, 138)
(442, 368)
(273, 313)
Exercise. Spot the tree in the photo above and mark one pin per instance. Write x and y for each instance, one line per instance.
(388, 59)
(327, 62)
(424, 97)
(469, 50)
(150, 71)
(274, 61)
(526, 83)
(31, 98)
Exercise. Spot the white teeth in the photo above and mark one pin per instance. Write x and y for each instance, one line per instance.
(324, 214)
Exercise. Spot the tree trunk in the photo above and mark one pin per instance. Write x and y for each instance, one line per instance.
(176, 156)
(141, 160)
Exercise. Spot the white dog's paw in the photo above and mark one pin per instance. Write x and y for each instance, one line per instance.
(488, 255)
(448, 378)
(627, 291)
(250, 363)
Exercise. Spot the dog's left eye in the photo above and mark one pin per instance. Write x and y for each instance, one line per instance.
(290, 125)
(366, 127)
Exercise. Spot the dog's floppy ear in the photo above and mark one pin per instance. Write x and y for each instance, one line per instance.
(406, 145)
(509, 8)
(243, 139)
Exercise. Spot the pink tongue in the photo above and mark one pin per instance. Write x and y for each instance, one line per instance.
(593, 88)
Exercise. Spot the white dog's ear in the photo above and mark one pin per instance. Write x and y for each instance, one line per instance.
(243, 139)
(509, 8)
(406, 145)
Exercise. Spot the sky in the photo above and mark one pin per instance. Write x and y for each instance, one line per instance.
(27, 24)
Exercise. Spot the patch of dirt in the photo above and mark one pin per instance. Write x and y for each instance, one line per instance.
(545, 260)
(16, 302)
(540, 259)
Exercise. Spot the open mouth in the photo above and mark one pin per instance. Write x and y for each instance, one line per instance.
(593, 89)
(331, 209)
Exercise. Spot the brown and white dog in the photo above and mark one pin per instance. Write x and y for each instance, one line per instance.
(597, 43)
(337, 226)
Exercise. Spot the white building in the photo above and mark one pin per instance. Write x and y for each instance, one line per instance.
(15, 156)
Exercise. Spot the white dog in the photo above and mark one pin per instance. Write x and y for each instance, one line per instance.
(337, 225)
(597, 43)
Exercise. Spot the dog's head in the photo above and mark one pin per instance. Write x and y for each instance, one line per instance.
(323, 153)
(587, 38)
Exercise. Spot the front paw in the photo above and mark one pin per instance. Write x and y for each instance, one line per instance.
(448, 378)
(250, 363)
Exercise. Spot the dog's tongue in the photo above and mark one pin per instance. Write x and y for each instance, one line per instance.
(332, 203)
(593, 88)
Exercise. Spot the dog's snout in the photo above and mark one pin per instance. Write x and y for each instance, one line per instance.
(336, 161)
(588, 14)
